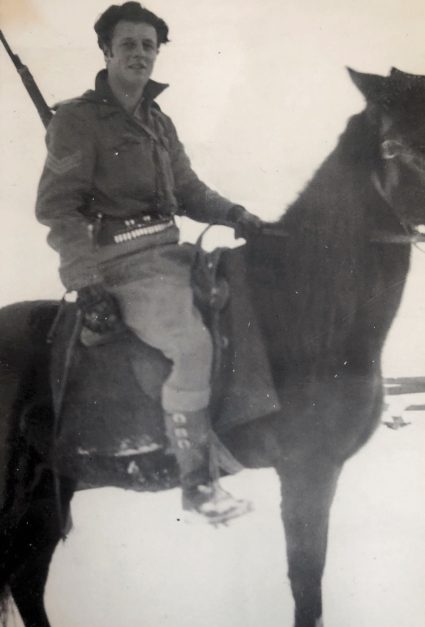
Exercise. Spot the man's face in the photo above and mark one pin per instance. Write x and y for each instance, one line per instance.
(132, 55)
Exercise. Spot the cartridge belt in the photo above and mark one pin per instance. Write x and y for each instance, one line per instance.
(111, 230)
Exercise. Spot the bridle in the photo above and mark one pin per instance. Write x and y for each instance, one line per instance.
(390, 149)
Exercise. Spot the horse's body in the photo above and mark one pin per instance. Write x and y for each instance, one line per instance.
(325, 298)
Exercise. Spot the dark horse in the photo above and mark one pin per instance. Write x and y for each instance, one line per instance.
(326, 296)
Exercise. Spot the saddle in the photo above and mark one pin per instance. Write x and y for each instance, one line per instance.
(106, 391)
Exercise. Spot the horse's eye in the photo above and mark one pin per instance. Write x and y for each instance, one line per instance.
(390, 148)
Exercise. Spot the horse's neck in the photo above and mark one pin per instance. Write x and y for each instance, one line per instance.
(313, 295)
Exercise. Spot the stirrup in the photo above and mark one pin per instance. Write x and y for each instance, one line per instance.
(213, 505)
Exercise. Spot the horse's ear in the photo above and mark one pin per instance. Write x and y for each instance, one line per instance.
(406, 76)
(372, 86)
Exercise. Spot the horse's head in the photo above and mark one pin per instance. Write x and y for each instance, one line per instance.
(396, 104)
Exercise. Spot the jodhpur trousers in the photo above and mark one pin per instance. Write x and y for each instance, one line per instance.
(158, 307)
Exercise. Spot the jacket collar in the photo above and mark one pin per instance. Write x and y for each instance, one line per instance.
(103, 94)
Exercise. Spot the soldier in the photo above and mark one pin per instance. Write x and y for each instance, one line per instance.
(115, 175)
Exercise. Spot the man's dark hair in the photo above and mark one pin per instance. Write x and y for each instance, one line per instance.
(131, 12)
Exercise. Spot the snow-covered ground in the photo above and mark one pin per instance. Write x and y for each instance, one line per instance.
(130, 562)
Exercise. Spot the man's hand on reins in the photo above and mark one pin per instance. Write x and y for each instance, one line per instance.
(101, 313)
(245, 223)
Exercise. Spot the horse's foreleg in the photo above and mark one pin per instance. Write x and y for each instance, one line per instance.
(308, 488)
(27, 588)
(34, 543)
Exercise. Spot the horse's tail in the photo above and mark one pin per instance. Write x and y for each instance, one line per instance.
(23, 348)
(5, 607)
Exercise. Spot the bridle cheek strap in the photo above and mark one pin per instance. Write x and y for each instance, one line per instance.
(384, 191)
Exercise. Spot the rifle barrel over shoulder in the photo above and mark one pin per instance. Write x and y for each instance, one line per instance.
(31, 86)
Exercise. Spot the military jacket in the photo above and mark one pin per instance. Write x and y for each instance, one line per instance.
(102, 160)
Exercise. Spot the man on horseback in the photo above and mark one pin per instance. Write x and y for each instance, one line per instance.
(115, 175)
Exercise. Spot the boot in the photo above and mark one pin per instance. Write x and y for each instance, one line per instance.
(203, 497)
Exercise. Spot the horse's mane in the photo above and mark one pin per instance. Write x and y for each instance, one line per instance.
(321, 264)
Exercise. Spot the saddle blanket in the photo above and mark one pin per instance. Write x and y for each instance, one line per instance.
(107, 397)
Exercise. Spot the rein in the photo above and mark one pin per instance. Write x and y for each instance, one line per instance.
(377, 237)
